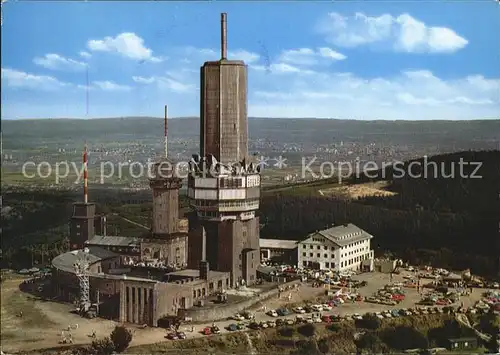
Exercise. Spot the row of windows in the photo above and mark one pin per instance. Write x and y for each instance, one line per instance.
(354, 260)
(318, 255)
(311, 246)
(355, 251)
(212, 203)
(231, 183)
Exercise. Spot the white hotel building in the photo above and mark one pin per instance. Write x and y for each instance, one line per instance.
(338, 248)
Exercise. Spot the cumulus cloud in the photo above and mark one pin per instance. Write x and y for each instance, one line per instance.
(417, 94)
(127, 44)
(19, 79)
(56, 62)
(170, 81)
(402, 33)
(110, 86)
(85, 55)
(208, 54)
(308, 56)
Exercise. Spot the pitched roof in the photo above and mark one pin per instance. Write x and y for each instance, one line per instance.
(109, 240)
(344, 234)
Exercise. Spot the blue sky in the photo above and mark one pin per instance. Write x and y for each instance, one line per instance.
(356, 60)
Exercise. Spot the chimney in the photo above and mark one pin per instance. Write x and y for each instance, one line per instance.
(223, 35)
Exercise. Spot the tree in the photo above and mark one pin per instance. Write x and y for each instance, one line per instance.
(369, 321)
(121, 338)
(370, 341)
(307, 330)
(404, 337)
(103, 347)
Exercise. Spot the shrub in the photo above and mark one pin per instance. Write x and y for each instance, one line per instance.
(369, 321)
(307, 330)
(370, 341)
(121, 338)
(102, 347)
(286, 332)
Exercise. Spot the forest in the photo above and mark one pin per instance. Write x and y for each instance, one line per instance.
(444, 221)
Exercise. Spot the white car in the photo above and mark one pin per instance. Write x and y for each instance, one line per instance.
(379, 315)
(357, 316)
(238, 316)
(317, 307)
(326, 307)
(272, 313)
(299, 310)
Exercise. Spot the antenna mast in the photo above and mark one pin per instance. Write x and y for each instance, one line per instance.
(223, 35)
(85, 176)
(166, 129)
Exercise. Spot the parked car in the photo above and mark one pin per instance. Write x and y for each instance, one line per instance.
(232, 327)
(254, 326)
(238, 316)
(181, 335)
(272, 313)
(283, 312)
(317, 307)
(299, 310)
(172, 336)
(326, 307)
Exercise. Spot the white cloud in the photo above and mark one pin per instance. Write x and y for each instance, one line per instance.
(208, 54)
(85, 55)
(127, 44)
(19, 79)
(417, 94)
(110, 86)
(168, 82)
(308, 56)
(56, 62)
(403, 33)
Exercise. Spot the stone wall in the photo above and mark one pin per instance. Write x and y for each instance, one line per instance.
(224, 311)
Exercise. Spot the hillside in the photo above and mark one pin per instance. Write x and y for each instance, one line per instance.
(426, 220)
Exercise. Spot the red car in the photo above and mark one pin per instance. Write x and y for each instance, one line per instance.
(326, 319)
(207, 331)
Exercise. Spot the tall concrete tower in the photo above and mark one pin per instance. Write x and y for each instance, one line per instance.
(224, 190)
(223, 106)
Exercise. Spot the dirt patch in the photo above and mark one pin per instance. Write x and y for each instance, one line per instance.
(353, 192)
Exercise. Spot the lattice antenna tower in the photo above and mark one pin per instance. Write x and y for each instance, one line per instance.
(82, 272)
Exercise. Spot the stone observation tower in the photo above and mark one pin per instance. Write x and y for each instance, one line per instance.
(82, 221)
(223, 188)
(166, 224)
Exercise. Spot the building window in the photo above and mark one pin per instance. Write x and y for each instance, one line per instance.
(303, 254)
(318, 255)
(333, 256)
(304, 246)
(319, 247)
(327, 265)
(252, 277)
(310, 254)
(310, 247)
(325, 247)
(325, 255)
